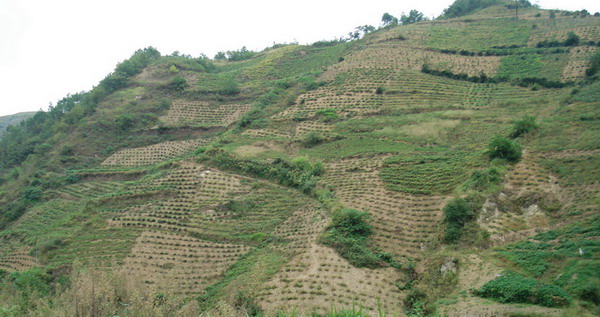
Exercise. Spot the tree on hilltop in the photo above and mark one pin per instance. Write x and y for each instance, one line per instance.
(388, 20)
(413, 16)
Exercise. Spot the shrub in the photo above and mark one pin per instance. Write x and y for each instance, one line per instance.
(32, 193)
(327, 114)
(514, 288)
(482, 180)
(594, 66)
(572, 39)
(31, 281)
(503, 148)
(247, 304)
(178, 83)
(416, 304)
(312, 138)
(456, 214)
(349, 233)
(230, 87)
(525, 125)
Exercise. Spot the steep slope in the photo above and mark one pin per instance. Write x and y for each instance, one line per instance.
(217, 181)
(13, 119)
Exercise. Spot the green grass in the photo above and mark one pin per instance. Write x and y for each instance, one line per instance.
(480, 35)
(426, 173)
(354, 145)
(576, 170)
(520, 66)
(554, 257)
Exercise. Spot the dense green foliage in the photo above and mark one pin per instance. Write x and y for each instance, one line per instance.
(413, 16)
(520, 81)
(514, 288)
(235, 56)
(349, 234)
(456, 214)
(594, 67)
(483, 179)
(15, 119)
(503, 148)
(523, 126)
(31, 135)
(572, 40)
(299, 173)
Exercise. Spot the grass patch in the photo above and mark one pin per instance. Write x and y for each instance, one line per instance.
(514, 288)
(425, 173)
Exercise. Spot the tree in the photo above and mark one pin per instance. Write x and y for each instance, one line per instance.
(504, 148)
(572, 39)
(220, 56)
(413, 16)
(388, 20)
(361, 31)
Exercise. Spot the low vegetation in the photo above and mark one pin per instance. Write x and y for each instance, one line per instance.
(505, 149)
(457, 213)
(349, 234)
(514, 288)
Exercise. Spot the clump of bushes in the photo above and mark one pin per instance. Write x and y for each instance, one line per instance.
(416, 303)
(526, 125)
(326, 115)
(483, 179)
(594, 66)
(514, 288)
(299, 173)
(503, 148)
(349, 233)
(312, 138)
(234, 56)
(178, 83)
(456, 214)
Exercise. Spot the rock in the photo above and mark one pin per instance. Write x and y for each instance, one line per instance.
(449, 266)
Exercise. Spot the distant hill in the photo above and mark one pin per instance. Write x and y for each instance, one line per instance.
(13, 119)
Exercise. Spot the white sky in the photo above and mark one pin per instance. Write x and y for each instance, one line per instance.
(49, 48)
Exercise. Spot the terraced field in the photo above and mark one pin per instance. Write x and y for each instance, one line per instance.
(203, 114)
(152, 154)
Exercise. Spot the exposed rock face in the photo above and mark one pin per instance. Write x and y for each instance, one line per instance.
(450, 266)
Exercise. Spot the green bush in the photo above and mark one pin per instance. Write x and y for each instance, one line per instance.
(312, 138)
(572, 39)
(349, 234)
(31, 281)
(482, 179)
(503, 148)
(456, 214)
(416, 304)
(594, 66)
(230, 87)
(299, 173)
(327, 114)
(525, 125)
(32, 193)
(178, 83)
(514, 288)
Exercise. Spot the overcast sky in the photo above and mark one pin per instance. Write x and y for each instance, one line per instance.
(49, 48)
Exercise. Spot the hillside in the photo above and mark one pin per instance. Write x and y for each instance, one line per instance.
(446, 167)
(13, 119)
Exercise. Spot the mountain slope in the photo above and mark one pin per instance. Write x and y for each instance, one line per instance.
(13, 119)
(232, 183)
